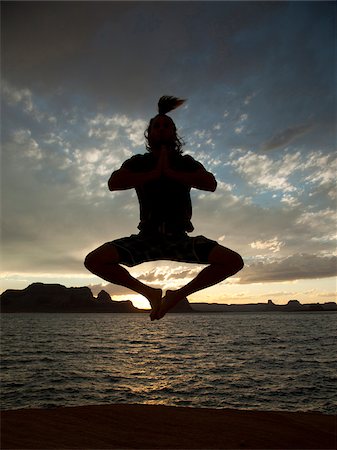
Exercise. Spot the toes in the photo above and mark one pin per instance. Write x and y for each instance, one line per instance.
(153, 315)
(155, 311)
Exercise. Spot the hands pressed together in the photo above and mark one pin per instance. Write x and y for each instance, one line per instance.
(125, 179)
(163, 167)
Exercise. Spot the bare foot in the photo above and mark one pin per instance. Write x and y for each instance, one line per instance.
(154, 297)
(169, 301)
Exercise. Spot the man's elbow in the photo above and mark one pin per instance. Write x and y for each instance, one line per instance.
(110, 185)
(212, 184)
(206, 182)
(112, 182)
(119, 181)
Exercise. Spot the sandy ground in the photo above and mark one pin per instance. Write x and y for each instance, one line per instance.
(162, 427)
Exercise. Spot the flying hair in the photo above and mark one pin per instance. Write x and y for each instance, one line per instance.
(167, 103)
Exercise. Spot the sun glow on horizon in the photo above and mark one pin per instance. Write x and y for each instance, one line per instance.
(139, 301)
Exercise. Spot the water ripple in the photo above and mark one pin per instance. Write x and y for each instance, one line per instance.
(249, 361)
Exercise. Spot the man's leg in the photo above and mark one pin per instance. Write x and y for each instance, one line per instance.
(103, 262)
(223, 264)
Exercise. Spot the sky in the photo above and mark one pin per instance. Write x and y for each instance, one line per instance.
(80, 82)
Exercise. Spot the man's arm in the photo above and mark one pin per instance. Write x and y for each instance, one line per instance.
(198, 179)
(123, 179)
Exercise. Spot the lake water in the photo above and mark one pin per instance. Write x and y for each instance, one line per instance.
(265, 361)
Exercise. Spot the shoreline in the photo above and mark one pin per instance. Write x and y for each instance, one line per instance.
(127, 426)
(147, 311)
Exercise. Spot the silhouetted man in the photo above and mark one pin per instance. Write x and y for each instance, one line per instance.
(163, 178)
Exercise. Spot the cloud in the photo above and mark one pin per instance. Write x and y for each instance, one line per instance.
(110, 128)
(321, 174)
(263, 171)
(299, 176)
(285, 137)
(23, 98)
(18, 96)
(295, 267)
(107, 50)
(167, 274)
(272, 245)
(318, 225)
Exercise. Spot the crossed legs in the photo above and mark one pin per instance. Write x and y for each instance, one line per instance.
(223, 264)
(104, 262)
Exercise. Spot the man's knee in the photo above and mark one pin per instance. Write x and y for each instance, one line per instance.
(90, 261)
(238, 262)
(234, 262)
(226, 257)
(106, 254)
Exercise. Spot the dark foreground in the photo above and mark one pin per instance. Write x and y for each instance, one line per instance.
(164, 427)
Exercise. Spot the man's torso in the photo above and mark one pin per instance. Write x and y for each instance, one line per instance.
(165, 204)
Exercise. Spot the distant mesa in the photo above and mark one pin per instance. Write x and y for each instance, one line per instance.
(55, 298)
(183, 306)
(40, 297)
(291, 306)
(316, 307)
(295, 304)
(103, 298)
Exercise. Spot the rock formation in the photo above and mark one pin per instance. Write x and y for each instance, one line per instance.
(182, 307)
(54, 298)
(39, 297)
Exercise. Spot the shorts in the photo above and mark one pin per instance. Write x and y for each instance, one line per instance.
(139, 248)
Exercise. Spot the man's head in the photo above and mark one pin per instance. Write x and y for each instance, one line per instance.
(161, 129)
